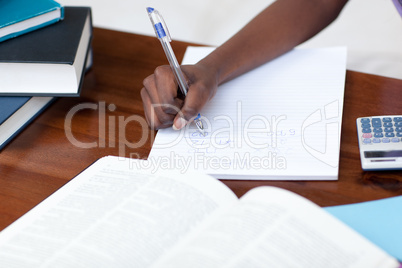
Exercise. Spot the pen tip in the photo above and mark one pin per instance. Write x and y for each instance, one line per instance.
(200, 127)
(150, 9)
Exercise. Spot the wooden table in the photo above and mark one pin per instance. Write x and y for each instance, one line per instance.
(41, 159)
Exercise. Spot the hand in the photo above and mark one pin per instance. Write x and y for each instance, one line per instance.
(163, 106)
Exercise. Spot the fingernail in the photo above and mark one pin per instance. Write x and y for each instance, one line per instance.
(179, 123)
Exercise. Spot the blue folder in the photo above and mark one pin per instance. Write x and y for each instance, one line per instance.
(379, 221)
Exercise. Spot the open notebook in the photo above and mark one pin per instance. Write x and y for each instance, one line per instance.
(281, 121)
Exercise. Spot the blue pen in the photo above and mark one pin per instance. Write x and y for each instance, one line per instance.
(162, 33)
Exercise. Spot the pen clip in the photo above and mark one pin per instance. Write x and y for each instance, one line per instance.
(165, 28)
(159, 24)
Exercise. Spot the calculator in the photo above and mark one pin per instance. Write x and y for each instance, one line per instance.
(380, 142)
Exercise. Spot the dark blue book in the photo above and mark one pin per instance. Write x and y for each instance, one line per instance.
(18, 17)
(17, 112)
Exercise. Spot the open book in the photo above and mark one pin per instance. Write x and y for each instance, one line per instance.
(117, 213)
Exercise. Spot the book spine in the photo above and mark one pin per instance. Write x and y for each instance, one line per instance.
(61, 12)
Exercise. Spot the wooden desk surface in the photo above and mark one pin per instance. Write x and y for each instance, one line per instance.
(41, 159)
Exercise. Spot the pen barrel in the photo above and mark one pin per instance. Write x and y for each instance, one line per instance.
(179, 76)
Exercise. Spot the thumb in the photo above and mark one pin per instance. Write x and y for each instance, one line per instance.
(184, 116)
(179, 122)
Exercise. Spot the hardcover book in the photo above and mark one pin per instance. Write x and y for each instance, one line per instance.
(18, 112)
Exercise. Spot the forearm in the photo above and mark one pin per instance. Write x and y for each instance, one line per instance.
(276, 30)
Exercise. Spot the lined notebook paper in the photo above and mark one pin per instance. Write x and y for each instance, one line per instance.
(281, 121)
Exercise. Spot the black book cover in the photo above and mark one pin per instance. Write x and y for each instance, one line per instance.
(57, 43)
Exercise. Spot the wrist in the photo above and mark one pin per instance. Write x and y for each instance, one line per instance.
(212, 66)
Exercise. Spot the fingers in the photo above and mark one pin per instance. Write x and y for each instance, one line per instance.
(202, 88)
(162, 105)
(150, 114)
(159, 96)
(165, 93)
(191, 107)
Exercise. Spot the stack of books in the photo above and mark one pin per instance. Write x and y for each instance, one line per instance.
(44, 54)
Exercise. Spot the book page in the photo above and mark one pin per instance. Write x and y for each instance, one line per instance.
(114, 214)
(274, 122)
(272, 227)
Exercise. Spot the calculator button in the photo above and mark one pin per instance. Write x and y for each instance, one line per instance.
(395, 139)
(376, 122)
(386, 140)
(366, 125)
(378, 135)
(387, 119)
(376, 140)
(398, 129)
(367, 135)
(377, 130)
(387, 124)
(365, 120)
(389, 134)
(366, 130)
(388, 129)
(399, 134)
(367, 141)
(398, 119)
(398, 124)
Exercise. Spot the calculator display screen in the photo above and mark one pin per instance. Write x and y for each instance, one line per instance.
(373, 154)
